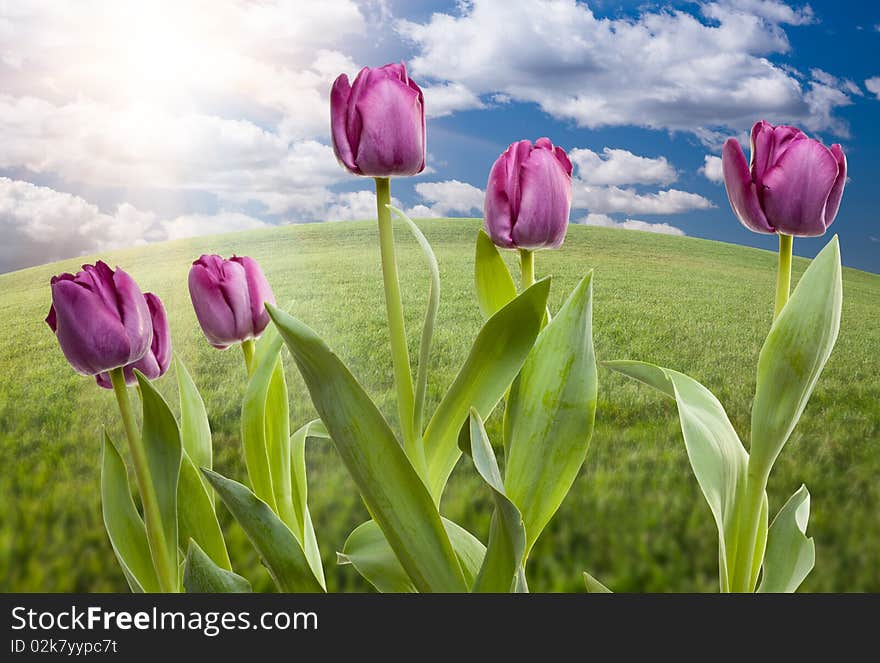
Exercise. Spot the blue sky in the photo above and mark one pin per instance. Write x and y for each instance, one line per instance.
(148, 122)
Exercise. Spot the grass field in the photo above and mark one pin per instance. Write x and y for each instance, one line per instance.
(635, 517)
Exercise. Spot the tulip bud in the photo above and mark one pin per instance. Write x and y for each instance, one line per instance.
(155, 363)
(229, 297)
(792, 186)
(100, 318)
(528, 196)
(378, 124)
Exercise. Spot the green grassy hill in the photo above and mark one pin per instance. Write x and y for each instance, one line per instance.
(635, 517)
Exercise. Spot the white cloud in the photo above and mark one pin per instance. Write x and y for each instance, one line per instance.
(873, 86)
(711, 168)
(615, 166)
(355, 205)
(40, 221)
(449, 198)
(447, 98)
(629, 71)
(610, 199)
(630, 224)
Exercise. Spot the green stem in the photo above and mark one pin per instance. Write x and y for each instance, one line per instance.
(247, 349)
(527, 267)
(166, 568)
(741, 578)
(783, 274)
(396, 330)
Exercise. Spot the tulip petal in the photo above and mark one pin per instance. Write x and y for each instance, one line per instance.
(497, 210)
(212, 310)
(339, 97)
(741, 190)
(259, 292)
(135, 314)
(769, 143)
(160, 348)
(392, 134)
(545, 201)
(797, 188)
(836, 194)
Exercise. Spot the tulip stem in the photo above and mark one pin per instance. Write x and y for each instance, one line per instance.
(783, 274)
(743, 578)
(527, 267)
(247, 349)
(166, 568)
(396, 329)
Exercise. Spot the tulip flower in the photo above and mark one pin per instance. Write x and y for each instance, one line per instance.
(155, 363)
(229, 298)
(528, 199)
(378, 123)
(792, 187)
(100, 318)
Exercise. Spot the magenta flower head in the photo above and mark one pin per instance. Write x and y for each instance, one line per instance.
(100, 318)
(378, 123)
(528, 196)
(229, 297)
(155, 363)
(792, 186)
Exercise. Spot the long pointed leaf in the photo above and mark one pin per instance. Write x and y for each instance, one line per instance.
(281, 553)
(790, 553)
(196, 517)
(195, 431)
(202, 576)
(507, 534)
(498, 353)
(161, 440)
(392, 490)
(794, 354)
(594, 586)
(494, 284)
(124, 525)
(717, 456)
(305, 530)
(548, 421)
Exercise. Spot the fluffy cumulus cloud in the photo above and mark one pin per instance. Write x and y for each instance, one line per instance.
(449, 198)
(630, 71)
(873, 86)
(630, 224)
(38, 220)
(615, 166)
(711, 168)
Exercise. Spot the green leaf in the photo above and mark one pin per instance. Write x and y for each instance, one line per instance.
(550, 412)
(594, 586)
(195, 431)
(496, 357)
(495, 286)
(278, 548)
(794, 354)
(430, 319)
(277, 424)
(161, 440)
(391, 489)
(368, 552)
(124, 525)
(196, 518)
(304, 529)
(790, 554)
(254, 417)
(202, 576)
(717, 456)
(507, 534)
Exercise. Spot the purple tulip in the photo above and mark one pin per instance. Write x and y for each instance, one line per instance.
(528, 196)
(792, 186)
(378, 124)
(155, 363)
(100, 318)
(229, 297)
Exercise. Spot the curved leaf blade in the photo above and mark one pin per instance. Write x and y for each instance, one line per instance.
(196, 517)
(790, 553)
(392, 490)
(594, 586)
(551, 409)
(123, 523)
(202, 576)
(304, 529)
(507, 534)
(494, 284)
(367, 550)
(161, 440)
(195, 430)
(498, 353)
(281, 553)
(717, 457)
(794, 354)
